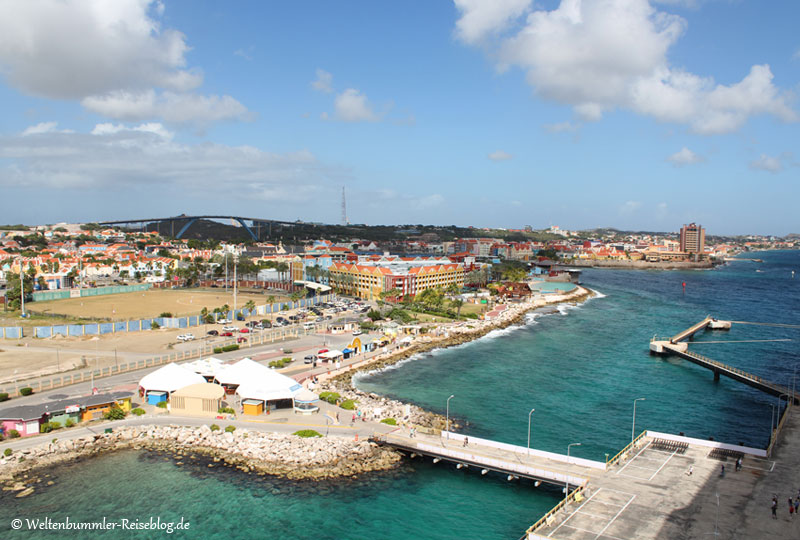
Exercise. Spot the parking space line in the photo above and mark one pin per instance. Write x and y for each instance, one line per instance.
(615, 517)
(576, 510)
(634, 457)
(662, 466)
(588, 514)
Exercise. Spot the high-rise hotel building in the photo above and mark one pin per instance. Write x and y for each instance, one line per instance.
(693, 239)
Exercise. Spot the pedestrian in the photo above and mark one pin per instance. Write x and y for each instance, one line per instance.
(797, 504)
(690, 471)
(466, 441)
(739, 464)
(337, 417)
(791, 508)
(353, 420)
(722, 472)
(774, 508)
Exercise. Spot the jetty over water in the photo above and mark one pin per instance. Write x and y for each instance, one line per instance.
(676, 345)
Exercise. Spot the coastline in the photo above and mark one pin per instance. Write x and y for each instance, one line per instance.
(450, 335)
(643, 265)
(287, 456)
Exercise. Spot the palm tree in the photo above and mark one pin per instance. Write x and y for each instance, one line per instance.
(270, 301)
(250, 306)
(457, 303)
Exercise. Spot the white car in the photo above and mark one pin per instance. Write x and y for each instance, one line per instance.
(230, 329)
(186, 337)
(357, 332)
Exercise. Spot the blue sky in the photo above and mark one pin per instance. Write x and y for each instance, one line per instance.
(624, 113)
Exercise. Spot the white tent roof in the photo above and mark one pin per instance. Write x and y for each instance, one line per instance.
(245, 370)
(333, 353)
(269, 386)
(170, 378)
(206, 366)
(306, 396)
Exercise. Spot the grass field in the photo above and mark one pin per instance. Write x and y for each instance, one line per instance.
(146, 304)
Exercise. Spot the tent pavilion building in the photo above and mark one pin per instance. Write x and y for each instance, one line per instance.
(158, 385)
(202, 399)
(207, 367)
(260, 388)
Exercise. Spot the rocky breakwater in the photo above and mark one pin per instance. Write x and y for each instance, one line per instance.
(446, 335)
(290, 456)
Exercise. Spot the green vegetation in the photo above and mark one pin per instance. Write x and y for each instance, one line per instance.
(401, 315)
(389, 421)
(115, 413)
(26, 391)
(166, 315)
(154, 325)
(226, 348)
(226, 410)
(7, 452)
(214, 427)
(13, 434)
(4, 396)
(230, 429)
(161, 405)
(330, 397)
(306, 433)
(280, 363)
(348, 404)
(374, 315)
(47, 427)
(69, 423)
(138, 411)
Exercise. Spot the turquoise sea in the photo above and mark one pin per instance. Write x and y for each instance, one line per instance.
(579, 367)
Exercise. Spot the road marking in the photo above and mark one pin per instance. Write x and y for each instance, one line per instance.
(615, 518)
(634, 457)
(662, 466)
(573, 513)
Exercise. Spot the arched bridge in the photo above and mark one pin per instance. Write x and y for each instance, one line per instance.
(190, 220)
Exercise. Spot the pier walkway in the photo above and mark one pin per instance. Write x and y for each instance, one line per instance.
(676, 345)
(486, 456)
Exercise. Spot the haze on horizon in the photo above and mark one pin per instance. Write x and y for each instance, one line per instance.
(632, 114)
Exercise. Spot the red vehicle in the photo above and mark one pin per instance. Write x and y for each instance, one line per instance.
(244, 330)
(226, 334)
(322, 351)
(241, 340)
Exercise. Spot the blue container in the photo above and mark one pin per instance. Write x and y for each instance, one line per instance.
(154, 398)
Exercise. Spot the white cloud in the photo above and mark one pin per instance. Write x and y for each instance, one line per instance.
(353, 106)
(767, 163)
(151, 127)
(324, 81)
(599, 55)
(171, 107)
(44, 127)
(480, 17)
(630, 207)
(111, 56)
(114, 159)
(500, 155)
(684, 156)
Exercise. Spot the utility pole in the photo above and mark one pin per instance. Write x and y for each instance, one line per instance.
(235, 260)
(22, 288)
(344, 208)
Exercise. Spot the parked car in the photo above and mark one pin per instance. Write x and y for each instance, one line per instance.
(242, 339)
(244, 330)
(212, 333)
(224, 321)
(357, 332)
(226, 334)
(322, 351)
(265, 323)
(309, 359)
(230, 328)
(186, 337)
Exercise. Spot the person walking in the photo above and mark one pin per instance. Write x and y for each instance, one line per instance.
(774, 507)
(791, 508)
(466, 441)
(797, 504)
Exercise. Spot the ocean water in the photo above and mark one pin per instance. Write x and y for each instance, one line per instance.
(579, 367)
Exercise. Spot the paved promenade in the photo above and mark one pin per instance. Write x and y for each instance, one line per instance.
(652, 496)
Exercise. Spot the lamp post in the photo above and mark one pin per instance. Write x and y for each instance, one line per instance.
(529, 431)
(447, 422)
(633, 426)
(566, 490)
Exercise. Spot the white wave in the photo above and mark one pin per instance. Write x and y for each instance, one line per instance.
(564, 308)
(597, 294)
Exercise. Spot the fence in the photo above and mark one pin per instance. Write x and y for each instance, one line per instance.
(50, 382)
(74, 330)
(43, 296)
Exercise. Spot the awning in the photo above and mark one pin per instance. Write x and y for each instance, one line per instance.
(333, 353)
(348, 350)
(306, 396)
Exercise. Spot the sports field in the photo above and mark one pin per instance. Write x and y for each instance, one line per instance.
(148, 303)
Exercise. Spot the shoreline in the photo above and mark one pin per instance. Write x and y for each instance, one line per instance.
(263, 453)
(454, 334)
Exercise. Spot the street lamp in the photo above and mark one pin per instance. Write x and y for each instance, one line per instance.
(566, 490)
(633, 426)
(447, 422)
(529, 431)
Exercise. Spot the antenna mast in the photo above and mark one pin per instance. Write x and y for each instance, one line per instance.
(344, 208)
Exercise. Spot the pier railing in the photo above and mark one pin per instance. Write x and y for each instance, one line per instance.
(547, 519)
(732, 369)
(774, 435)
(630, 446)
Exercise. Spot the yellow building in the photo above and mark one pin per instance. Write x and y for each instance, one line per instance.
(369, 281)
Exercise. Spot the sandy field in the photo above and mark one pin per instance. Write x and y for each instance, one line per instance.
(146, 304)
